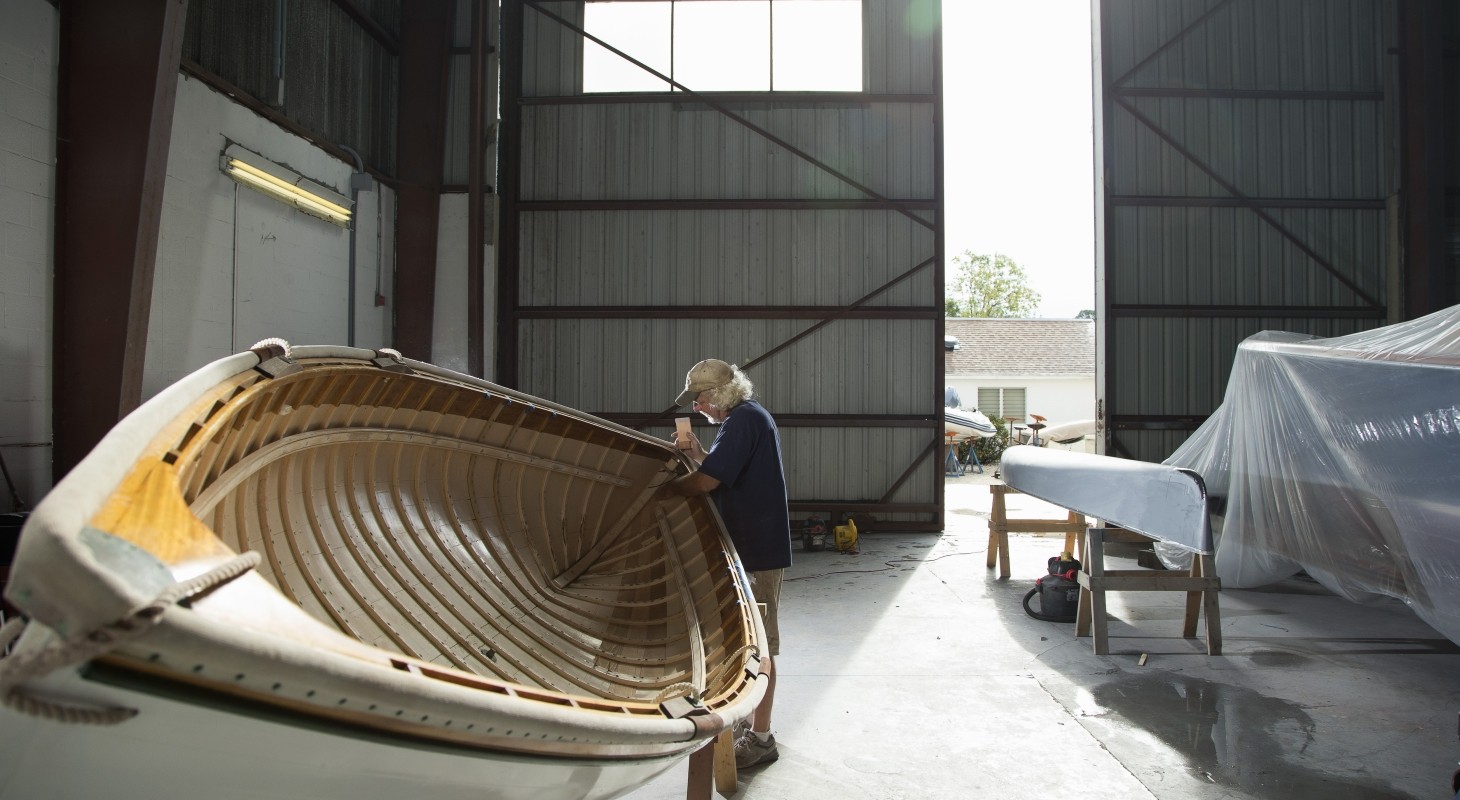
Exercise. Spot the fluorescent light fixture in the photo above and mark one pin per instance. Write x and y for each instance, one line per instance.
(262, 175)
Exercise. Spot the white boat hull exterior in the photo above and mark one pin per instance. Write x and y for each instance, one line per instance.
(227, 752)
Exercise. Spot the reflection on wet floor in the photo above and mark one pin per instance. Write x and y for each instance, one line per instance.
(1233, 736)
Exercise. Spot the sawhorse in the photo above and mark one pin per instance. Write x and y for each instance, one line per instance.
(1000, 525)
(1200, 584)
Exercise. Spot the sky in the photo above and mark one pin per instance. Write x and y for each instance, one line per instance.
(1018, 152)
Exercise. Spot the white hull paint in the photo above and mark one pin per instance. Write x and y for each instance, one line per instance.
(1166, 503)
(176, 750)
(965, 422)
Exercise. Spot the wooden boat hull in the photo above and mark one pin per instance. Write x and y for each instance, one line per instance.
(446, 567)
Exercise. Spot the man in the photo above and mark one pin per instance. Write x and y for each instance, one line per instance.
(742, 473)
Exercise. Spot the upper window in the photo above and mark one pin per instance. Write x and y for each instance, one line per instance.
(725, 45)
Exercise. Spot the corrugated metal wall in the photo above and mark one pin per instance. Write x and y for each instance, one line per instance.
(641, 233)
(1246, 148)
(328, 70)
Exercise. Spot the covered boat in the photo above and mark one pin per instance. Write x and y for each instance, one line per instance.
(333, 572)
(1338, 457)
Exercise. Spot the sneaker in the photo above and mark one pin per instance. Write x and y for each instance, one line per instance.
(750, 751)
(742, 729)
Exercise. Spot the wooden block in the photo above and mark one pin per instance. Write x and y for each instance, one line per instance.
(700, 785)
(725, 780)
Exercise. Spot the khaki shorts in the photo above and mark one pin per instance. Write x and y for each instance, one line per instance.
(766, 586)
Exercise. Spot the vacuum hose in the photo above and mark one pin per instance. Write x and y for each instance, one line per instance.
(1047, 618)
(1058, 591)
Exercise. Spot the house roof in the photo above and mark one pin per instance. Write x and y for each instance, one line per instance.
(1020, 347)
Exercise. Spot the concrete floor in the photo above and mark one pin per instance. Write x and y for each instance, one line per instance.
(911, 671)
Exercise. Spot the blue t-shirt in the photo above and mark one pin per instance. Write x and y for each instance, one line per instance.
(746, 459)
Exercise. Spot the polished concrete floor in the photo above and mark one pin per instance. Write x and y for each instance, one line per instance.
(910, 671)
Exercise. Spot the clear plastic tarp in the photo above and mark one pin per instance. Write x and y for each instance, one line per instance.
(1340, 458)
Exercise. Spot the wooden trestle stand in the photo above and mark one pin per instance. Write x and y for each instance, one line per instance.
(1000, 525)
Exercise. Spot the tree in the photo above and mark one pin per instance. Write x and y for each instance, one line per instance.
(1088, 313)
(988, 286)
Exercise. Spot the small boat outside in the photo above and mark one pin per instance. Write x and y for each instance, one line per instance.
(967, 422)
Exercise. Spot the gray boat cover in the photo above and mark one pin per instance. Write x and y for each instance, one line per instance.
(1340, 457)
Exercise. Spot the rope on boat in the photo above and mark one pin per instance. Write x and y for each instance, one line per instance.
(685, 689)
(689, 690)
(21, 667)
(273, 348)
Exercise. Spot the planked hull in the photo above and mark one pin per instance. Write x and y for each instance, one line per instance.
(458, 587)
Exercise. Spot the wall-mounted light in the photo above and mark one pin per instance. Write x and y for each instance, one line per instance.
(258, 173)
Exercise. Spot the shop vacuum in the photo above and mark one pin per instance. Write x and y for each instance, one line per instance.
(1059, 592)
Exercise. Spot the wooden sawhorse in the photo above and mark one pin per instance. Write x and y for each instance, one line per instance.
(1000, 525)
(1200, 584)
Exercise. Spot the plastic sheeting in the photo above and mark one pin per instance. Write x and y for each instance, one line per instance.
(1340, 458)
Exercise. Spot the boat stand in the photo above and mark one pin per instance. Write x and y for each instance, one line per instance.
(1000, 526)
(1201, 585)
(712, 768)
(953, 466)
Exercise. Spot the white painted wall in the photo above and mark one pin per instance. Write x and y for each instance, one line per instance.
(29, 53)
(235, 266)
(449, 334)
(1059, 399)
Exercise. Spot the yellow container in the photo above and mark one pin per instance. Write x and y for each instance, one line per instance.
(846, 537)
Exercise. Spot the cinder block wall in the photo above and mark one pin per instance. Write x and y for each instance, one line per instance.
(28, 60)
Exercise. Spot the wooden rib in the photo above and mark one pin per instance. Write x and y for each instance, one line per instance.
(454, 580)
(687, 604)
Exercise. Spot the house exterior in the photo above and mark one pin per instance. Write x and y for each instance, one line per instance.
(1017, 367)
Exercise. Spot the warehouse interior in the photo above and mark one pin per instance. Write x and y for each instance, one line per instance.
(1262, 166)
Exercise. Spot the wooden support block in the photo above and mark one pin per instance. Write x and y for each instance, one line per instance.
(725, 780)
(700, 785)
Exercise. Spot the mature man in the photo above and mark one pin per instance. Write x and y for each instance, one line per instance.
(742, 472)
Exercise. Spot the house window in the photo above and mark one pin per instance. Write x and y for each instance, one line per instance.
(725, 45)
(997, 403)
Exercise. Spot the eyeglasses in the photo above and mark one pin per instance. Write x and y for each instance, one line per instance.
(696, 403)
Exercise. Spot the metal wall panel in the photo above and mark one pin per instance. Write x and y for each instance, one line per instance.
(795, 234)
(1248, 164)
(687, 150)
(633, 366)
(331, 73)
(722, 258)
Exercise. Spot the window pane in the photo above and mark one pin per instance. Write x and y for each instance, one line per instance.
(723, 45)
(817, 45)
(639, 29)
(1014, 405)
(989, 405)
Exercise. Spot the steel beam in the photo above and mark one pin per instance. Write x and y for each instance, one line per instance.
(421, 126)
(118, 83)
(1428, 286)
